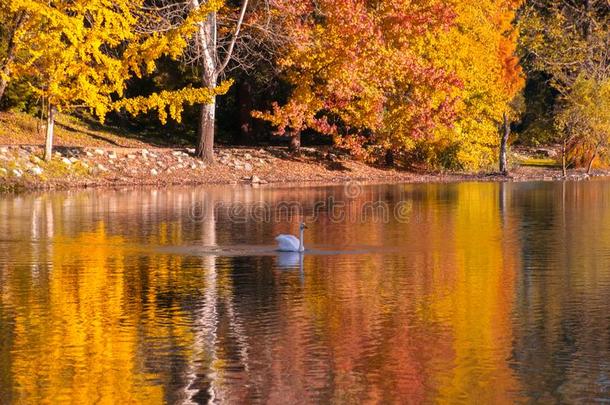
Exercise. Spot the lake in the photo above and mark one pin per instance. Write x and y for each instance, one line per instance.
(435, 293)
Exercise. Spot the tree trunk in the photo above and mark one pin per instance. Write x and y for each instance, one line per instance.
(564, 170)
(48, 150)
(503, 146)
(207, 42)
(295, 142)
(389, 158)
(3, 81)
(590, 165)
(244, 97)
(207, 54)
(207, 119)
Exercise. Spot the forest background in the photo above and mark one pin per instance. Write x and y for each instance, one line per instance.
(437, 84)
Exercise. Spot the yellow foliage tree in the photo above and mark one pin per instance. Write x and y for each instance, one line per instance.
(480, 50)
(80, 54)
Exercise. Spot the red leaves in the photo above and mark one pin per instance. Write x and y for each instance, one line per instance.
(356, 67)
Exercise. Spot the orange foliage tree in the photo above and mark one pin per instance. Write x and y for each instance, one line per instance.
(357, 73)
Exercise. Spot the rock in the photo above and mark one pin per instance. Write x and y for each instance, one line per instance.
(66, 161)
(73, 160)
(112, 155)
(549, 153)
(17, 172)
(153, 155)
(35, 159)
(58, 154)
(98, 152)
(193, 166)
(248, 156)
(3, 149)
(191, 150)
(255, 180)
(130, 156)
(154, 172)
(101, 168)
(179, 160)
(177, 153)
(36, 170)
(248, 167)
(144, 152)
(89, 154)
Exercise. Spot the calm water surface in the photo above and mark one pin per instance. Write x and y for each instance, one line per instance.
(461, 293)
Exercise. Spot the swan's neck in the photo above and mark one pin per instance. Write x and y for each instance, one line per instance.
(301, 246)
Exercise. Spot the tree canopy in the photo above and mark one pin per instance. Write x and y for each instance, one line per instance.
(418, 81)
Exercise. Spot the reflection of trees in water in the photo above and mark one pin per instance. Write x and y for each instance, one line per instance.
(102, 309)
(562, 338)
(326, 338)
(480, 304)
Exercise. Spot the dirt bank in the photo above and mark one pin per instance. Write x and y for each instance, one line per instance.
(90, 155)
(21, 167)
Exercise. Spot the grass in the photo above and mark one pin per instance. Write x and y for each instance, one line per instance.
(538, 162)
(23, 129)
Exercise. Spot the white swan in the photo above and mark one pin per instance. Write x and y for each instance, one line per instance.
(290, 243)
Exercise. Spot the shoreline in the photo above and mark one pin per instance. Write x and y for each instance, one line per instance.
(22, 170)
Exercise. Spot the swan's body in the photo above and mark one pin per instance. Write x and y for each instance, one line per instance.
(290, 243)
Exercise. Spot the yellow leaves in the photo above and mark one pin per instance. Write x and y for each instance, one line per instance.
(171, 102)
(480, 50)
(82, 52)
(68, 50)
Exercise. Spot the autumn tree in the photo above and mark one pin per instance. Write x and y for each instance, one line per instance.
(480, 49)
(584, 117)
(11, 32)
(66, 53)
(568, 41)
(356, 73)
(80, 54)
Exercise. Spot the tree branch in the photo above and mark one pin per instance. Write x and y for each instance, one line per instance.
(240, 21)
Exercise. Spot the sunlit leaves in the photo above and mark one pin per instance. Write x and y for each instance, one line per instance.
(82, 53)
(171, 102)
(355, 69)
(480, 50)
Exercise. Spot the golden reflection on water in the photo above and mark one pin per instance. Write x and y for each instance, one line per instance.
(465, 305)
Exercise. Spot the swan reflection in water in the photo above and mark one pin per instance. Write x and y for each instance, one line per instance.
(290, 261)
